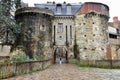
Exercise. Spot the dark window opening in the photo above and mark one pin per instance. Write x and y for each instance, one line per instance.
(59, 8)
(102, 49)
(85, 48)
(93, 49)
(70, 32)
(60, 36)
(66, 35)
(43, 27)
(113, 36)
(93, 34)
(46, 8)
(117, 31)
(54, 34)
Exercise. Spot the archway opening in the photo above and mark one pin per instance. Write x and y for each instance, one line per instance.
(60, 54)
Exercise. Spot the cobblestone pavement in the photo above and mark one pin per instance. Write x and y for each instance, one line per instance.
(71, 72)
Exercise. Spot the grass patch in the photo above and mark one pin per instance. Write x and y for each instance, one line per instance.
(90, 64)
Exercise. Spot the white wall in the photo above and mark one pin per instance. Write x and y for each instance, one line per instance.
(4, 50)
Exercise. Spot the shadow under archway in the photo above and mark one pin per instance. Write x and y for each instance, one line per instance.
(60, 54)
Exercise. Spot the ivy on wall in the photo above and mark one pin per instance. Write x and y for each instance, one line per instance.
(76, 50)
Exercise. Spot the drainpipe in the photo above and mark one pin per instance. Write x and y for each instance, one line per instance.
(109, 48)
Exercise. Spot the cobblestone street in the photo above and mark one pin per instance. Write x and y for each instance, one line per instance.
(71, 72)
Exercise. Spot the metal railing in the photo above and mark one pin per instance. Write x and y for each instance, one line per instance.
(18, 68)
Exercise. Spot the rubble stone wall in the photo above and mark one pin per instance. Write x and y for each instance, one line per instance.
(36, 35)
(91, 36)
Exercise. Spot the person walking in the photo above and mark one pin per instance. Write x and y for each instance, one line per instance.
(60, 60)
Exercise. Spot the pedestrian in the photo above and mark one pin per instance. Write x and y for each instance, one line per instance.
(60, 60)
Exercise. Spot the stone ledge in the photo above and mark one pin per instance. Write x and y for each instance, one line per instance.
(35, 10)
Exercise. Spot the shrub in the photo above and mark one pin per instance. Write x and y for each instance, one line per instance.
(39, 57)
(20, 57)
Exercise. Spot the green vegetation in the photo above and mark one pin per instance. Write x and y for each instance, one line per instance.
(20, 57)
(39, 57)
(89, 64)
(7, 21)
(76, 51)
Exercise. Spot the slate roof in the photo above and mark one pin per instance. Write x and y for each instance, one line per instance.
(53, 7)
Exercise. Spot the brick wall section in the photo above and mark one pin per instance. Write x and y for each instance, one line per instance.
(96, 7)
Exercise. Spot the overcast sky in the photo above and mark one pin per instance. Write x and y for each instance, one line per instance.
(113, 5)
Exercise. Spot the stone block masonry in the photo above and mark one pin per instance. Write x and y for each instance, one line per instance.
(36, 31)
(91, 34)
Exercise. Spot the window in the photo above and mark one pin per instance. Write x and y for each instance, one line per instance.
(70, 32)
(60, 36)
(113, 36)
(60, 27)
(46, 8)
(59, 9)
(93, 34)
(69, 9)
(117, 31)
(43, 28)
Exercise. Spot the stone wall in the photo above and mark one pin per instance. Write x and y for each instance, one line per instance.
(115, 48)
(64, 38)
(91, 36)
(60, 38)
(36, 31)
(4, 50)
(20, 68)
(118, 54)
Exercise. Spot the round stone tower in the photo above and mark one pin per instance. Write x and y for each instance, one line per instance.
(35, 31)
(91, 25)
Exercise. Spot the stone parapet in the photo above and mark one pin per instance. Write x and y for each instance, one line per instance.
(34, 10)
(19, 68)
